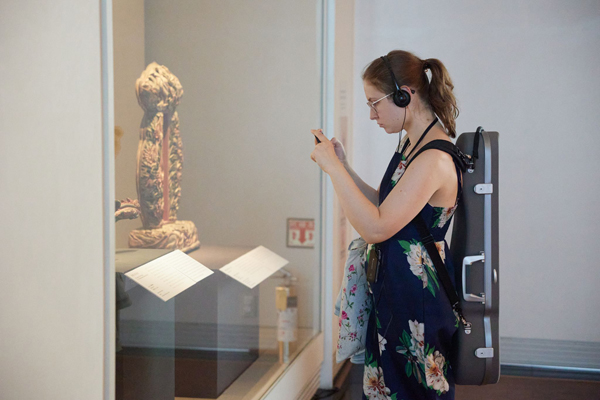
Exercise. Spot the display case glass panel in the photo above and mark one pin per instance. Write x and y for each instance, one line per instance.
(214, 102)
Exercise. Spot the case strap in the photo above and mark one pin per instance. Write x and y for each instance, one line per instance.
(429, 243)
(460, 159)
(475, 156)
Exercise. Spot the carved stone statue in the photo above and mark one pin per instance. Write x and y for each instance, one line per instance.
(159, 164)
(128, 208)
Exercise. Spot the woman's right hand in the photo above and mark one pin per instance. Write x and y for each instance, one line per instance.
(339, 150)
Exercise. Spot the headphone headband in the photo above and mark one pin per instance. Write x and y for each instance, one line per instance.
(389, 66)
(401, 97)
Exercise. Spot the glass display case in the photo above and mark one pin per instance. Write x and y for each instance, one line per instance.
(214, 102)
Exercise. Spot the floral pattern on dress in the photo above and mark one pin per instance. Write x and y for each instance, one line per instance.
(435, 364)
(399, 171)
(443, 215)
(408, 360)
(425, 363)
(382, 343)
(374, 386)
(420, 263)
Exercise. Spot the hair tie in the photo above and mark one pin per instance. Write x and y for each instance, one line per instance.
(426, 66)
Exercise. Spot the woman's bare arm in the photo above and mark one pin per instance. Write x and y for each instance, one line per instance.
(368, 191)
(371, 194)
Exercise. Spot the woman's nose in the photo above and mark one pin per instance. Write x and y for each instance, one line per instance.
(372, 114)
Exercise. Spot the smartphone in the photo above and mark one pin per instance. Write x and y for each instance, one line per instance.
(318, 141)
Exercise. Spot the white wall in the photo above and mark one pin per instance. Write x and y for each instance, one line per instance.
(528, 70)
(250, 75)
(51, 235)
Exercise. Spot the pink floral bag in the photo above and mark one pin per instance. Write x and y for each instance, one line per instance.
(353, 304)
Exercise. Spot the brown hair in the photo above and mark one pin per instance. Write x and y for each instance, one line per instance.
(410, 70)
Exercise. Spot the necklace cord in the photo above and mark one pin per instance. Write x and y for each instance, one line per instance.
(435, 120)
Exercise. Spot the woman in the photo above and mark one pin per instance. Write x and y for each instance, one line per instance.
(410, 333)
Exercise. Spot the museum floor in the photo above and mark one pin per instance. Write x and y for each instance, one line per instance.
(509, 387)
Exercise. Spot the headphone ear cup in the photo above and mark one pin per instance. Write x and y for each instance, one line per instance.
(401, 98)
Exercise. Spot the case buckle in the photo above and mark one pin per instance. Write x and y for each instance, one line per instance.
(484, 188)
(484, 352)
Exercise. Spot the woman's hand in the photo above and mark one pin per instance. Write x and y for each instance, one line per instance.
(339, 150)
(325, 153)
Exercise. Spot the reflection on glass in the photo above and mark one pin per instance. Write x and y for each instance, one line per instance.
(248, 100)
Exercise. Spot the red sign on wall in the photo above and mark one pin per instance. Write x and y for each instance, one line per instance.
(301, 232)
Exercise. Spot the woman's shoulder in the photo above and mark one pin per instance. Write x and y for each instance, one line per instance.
(432, 158)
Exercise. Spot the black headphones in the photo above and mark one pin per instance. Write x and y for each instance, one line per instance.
(401, 97)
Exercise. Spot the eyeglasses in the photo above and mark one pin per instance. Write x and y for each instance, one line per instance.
(372, 103)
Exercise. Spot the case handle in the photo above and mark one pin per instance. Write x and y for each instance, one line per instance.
(469, 260)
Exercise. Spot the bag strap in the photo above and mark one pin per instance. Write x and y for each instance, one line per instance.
(460, 159)
(429, 243)
(462, 162)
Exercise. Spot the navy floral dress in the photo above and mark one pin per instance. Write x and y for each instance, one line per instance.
(412, 324)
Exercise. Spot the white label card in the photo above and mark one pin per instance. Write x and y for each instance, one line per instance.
(169, 275)
(255, 266)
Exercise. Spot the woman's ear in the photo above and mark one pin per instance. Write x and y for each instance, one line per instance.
(407, 89)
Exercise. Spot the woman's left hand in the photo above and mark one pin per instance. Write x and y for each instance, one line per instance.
(324, 152)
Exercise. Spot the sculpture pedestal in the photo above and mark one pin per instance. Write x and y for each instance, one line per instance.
(193, 346)
(181, 235)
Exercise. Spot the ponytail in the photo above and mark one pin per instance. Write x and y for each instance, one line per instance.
(441, 99)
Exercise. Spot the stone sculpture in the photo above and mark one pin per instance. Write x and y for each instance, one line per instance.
(128, 208)
(160, 164)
